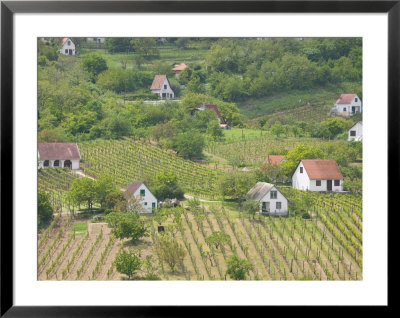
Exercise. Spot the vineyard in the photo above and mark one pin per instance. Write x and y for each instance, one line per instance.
(128, 160)
(328, 246)
(255, 151)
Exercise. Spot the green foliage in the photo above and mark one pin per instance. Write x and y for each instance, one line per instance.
(251, 207)
(169, 251)
(82, 190)
(145, 46)
(166, 186)
(298, 153)
(45, 210)
(189, 144)
(126, 225)
(237, 268)
(236, 185)
(332, 127)
(218, 238)
(94, 64)
(277, 129)
(128, 262)
(115, 45)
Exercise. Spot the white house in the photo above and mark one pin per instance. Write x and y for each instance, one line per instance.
(317, 175)
(139, 190)
(348, 104)
(58, 155)
(355, 132)
(67, 47)
(162, 87)
(96, 40)
(271, 199)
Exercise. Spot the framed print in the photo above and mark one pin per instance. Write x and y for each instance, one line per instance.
(161, 155)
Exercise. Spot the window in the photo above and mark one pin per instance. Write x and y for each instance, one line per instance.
(274, 194)
(46, 163)
(278, 205)
(56, 163)
(69, 42)
(318, 183)
(344, 109)
(163, 94)
(66, 51)
(165, 86)
(356, 99)
(145, 203)
(301, 169)
(352, 133)
(142, 192)
(337, 183)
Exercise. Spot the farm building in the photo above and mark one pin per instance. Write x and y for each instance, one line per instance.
(271, 200)
(355, 132)
(317, 175)
(139, 190)
(274, 159)
(162, 87)
(178, 68)
(67, 47)
(58, 155)
(348, 104)
(204, 106)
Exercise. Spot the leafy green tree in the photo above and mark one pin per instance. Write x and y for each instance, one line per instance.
(169, 251)
(94, 64)
(214, 130)
(251, 207)
(104, 188)
(218, 238)
(82, 190)
(145, 46)
(126, 225)
(128, 262)
(166, 186)
(182, 42)
(45, 210)
(237, 268)
(195, 86)
(298, 153)
(277, 128)
(115, 45)
(189, 144)
(236, 185)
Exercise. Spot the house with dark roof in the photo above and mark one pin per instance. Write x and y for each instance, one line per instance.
(162, 87)
(67, 47)
(58, 155)
(142, 194)
(204, 106)
(356, 132)
(317, 175)
(348, 104)
(271, 200)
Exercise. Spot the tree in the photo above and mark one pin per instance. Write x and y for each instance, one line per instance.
(298, 153)
(45, 210)
(145, 46)
(166, 186)
(182, 42)
(238, 268)
(195, 86)
(94, 64)
(128, 262)
(169, 251)
(277, 129)
(104, 187)
(236, 185)
(82, 190)
(214, 130)
(189, 144)
(251, 207)
(115, 45)
(126, 225)
(218, 238)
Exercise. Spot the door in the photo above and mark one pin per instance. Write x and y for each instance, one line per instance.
(329, 185)
(353, 109)
(265, 207)
(70, 52)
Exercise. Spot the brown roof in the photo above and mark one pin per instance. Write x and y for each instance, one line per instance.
(132, 188)
(322, 169)
(179, 67)
(64, 40)
(158, 81)
(274, 159)
(58, 150)
(211, 106)
(345, 98)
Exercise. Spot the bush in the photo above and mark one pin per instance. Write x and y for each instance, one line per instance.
(306, 215)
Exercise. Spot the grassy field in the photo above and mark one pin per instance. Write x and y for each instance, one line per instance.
(325, 247)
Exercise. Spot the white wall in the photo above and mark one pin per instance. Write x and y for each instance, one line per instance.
(148, 198)
(358, 129)
(300, 181)
(324, 184)
(272, 203)
(71, 46)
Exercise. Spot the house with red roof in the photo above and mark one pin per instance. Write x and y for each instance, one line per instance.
(317, 175)
(348, 104)
(58, 155)
(142, 195)
(162, 87)
(274, 159)
(221, 120)
(67, 47)
(178, 68)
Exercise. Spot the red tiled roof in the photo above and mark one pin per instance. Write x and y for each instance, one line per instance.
(211, 106)
(179, 67)
(64, 40)
(345, 98)
(322, 169)
(58, 150)
(132, 188)
(274, 159)
(158, 81)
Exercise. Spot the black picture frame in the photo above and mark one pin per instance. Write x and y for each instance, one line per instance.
(9, 8)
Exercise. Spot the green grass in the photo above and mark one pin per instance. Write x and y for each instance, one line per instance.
(79, 228)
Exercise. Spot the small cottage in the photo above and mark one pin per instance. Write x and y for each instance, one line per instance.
(274, 159)
(204, 106)
(162, 87)
(139, 190)
(58, 155)
(348, 104)
(271, 200)
(317, 175)
(355, 132)
(67, 47)
(178, 68)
